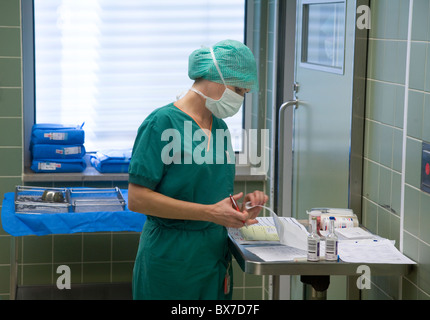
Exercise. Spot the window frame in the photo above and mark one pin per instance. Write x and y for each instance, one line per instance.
(29, 107)
(304, 38)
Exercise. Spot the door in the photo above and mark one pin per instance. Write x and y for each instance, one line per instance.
(324, 66)
(322, 63)
(321, 138)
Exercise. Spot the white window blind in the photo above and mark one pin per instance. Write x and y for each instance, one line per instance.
(110, 63)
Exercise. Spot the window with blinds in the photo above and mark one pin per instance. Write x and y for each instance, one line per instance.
(110, 63)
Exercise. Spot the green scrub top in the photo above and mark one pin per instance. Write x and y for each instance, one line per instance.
(182, 259)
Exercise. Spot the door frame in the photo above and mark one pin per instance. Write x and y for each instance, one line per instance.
(358, 116)
(286, 53)
(285, 75)
(285, 65)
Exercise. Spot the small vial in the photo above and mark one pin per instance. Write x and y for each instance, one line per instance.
(331, 242)
(314, 242)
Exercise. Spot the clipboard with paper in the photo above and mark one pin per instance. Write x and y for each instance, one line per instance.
(274, 238)
(273, 230)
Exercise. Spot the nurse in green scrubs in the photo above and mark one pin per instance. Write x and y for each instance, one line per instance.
(181, 175)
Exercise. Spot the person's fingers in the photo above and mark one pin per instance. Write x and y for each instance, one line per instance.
(230, 217)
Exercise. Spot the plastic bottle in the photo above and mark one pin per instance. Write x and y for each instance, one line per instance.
(313, 242)
(331, 243)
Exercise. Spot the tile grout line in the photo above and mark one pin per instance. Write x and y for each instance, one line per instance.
(405, 124)
(405, 134)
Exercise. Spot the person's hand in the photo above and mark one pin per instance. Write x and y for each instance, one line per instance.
(224, 214)
(256, 198)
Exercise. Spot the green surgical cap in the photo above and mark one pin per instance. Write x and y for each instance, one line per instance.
(235, 60)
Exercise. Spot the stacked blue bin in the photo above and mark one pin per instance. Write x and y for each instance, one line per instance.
(57, 148)
(112, 161)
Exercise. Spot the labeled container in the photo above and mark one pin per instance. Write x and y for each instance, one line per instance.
(331, 241)
(313, 254)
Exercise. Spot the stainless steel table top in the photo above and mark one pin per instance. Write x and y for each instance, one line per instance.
(252, 264)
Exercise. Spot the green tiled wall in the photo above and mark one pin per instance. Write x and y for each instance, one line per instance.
(10, 120)
(248, 287)
(100, 257)
(382, 181)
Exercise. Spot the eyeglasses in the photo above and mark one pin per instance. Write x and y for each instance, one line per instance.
(241, 91)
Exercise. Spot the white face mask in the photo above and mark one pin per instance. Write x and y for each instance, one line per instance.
(227, 106)
(229, 103)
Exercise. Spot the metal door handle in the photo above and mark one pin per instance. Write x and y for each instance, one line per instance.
(281, 148)
(282, 110)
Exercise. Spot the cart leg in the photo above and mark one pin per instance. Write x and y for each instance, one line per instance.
(318, 295)
(319, 286)
(276, 287)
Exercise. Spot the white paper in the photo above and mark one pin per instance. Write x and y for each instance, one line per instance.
(72, 150)
(371, 251)
(277, 253)
(291, 232)
(354, 233)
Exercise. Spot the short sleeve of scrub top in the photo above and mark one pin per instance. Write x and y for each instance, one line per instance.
(146, 168)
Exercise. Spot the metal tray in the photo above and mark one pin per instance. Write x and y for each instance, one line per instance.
(96, 199)
(38, 200)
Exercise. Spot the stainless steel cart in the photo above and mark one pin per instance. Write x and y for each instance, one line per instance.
(316, 274)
